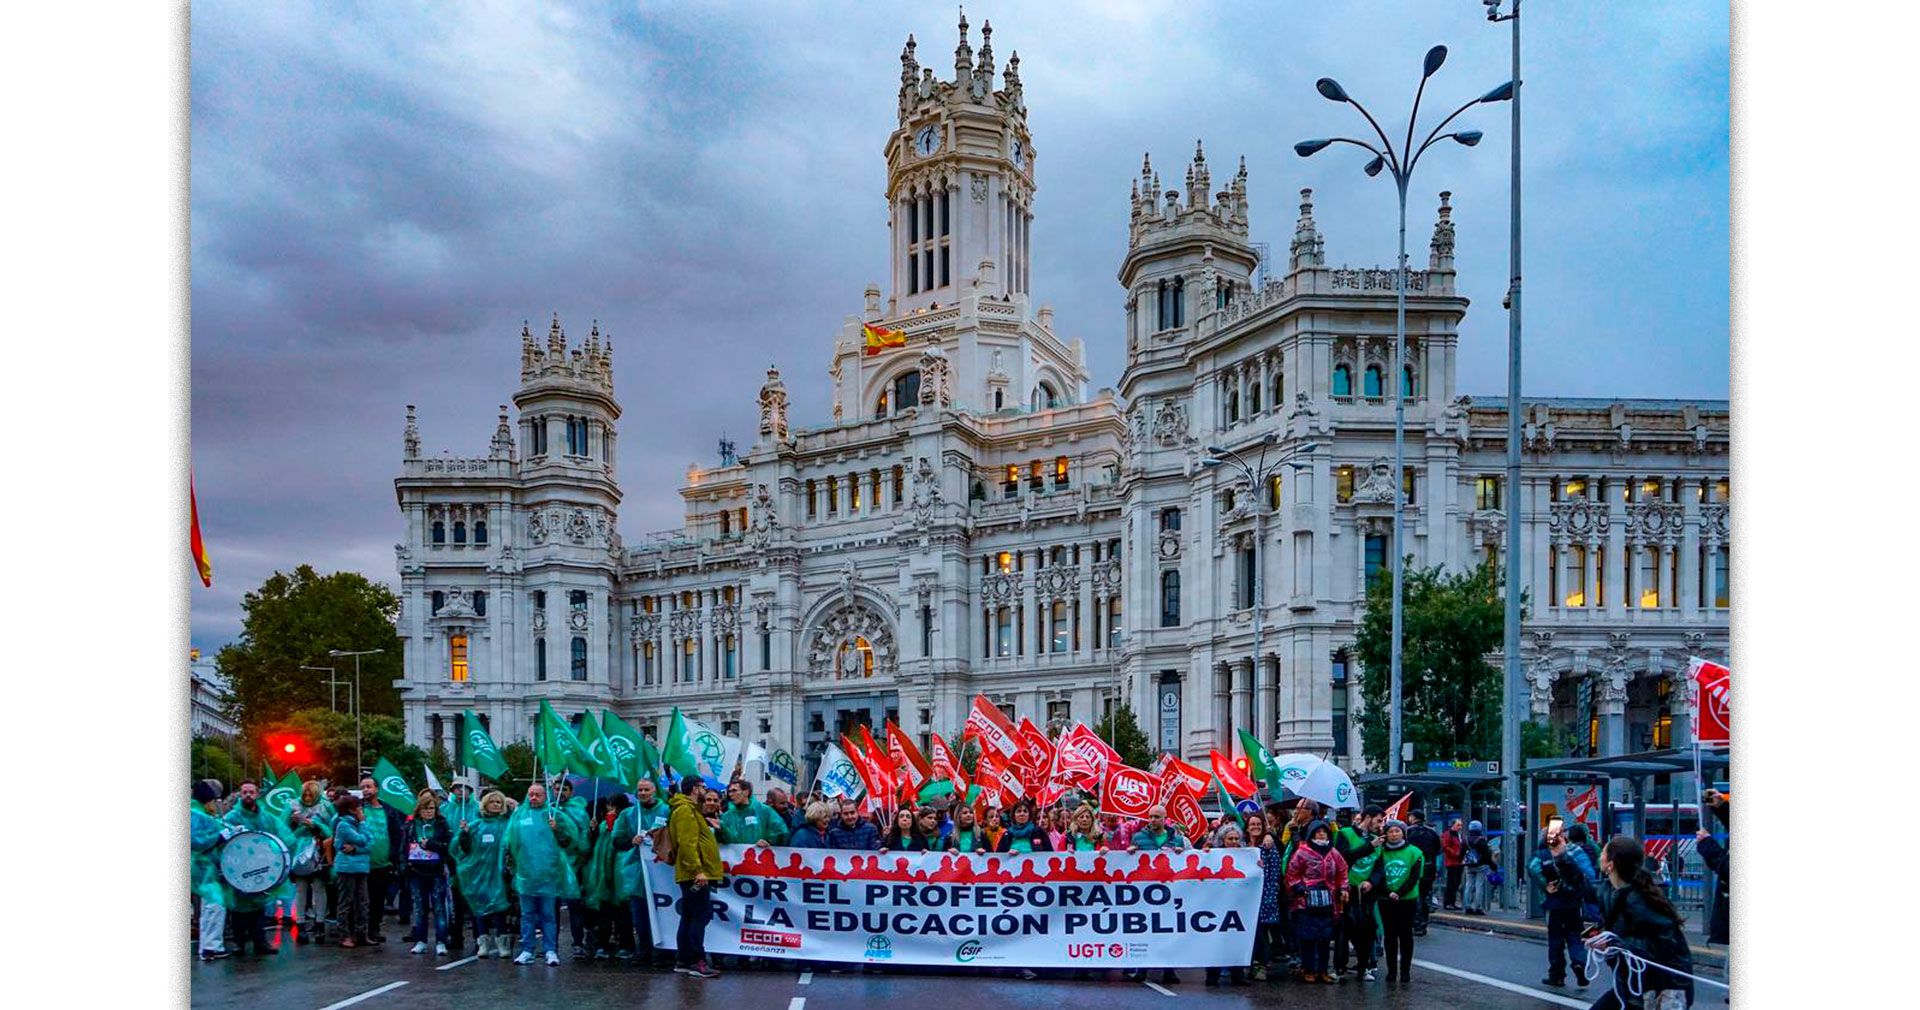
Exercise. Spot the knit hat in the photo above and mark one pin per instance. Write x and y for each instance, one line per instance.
(1395, 823)
(1475, 826)
(206, 791)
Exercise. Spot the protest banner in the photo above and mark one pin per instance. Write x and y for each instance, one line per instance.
(1043, 910)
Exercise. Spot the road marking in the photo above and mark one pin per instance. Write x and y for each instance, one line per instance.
(796, 1003)
(449, 966)
(806, 978)
(369, 994)
(1161, 989)
(1503, 984)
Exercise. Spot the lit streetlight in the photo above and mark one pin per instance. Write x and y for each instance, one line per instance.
(1400, 162)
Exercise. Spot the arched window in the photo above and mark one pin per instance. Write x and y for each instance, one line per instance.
(539, 659)
(439, 532)
(880, 409)
(1170, 598)
(1045, 397)
(999, 399)
(439, 600)
(1179, 301)
(1253, 397)
(1406, 382)
(480, 603)
(1233, 406)
(579, 658)
(480, 531)
(1164, 319)
(1342, 381)
(1375, 382)
(906, 390)
(459, 532)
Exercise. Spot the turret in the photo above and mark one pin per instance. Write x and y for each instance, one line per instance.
(1188, 252)
(1440, 250)
(1308, 248)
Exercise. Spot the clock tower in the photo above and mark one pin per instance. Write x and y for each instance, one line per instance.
(959, 181)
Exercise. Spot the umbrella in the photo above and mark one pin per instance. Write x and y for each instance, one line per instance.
(1326, 783)
(592, 789)
(1292, 769)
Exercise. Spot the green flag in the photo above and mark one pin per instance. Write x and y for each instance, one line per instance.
(393, 786)
(1226, 804)
(650, 764)
(560, 748)
(673, 755)
(695, 748)
(477, 750)
(279, 800)
(624, 744)
(1260, 763)
(936, 789)
(268, 778)
(599, 758)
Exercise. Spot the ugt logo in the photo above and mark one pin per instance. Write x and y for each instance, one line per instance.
(879, 948)
(968, 951)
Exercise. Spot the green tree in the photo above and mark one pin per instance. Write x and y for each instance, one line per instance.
(226, 759)
(1543, 740)
(1122, 732)
(966, 751)
(1450, 692)
(519, 758)
(292, 621)
(330, 736)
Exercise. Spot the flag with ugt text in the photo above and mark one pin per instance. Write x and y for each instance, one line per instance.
(1080, 758)
(987, 724)
(1712, 702)
(1128, 792)
(1176, 773)
(1183, 808)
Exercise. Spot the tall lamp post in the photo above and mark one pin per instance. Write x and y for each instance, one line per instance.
(359, 764)
(1512, 694)
(1400, 162)
(333, 684)
(1257, 474)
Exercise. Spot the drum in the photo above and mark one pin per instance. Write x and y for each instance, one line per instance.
(254, 862)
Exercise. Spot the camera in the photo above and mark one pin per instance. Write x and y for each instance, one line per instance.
(1549, 873)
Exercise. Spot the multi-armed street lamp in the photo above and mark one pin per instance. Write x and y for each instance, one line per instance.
(1400, 162)
(360, 766)
(1257, 474)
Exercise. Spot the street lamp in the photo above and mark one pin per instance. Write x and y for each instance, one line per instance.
(1512, 692)
(333, 696)
(359, 764)
(1257, 475)
(1400, 161)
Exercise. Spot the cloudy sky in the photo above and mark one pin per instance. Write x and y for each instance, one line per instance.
(381, 193)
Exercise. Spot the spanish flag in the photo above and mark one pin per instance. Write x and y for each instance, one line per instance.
(198, 546)
(879, 338)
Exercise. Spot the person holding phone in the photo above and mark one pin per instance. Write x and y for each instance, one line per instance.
(696, 868)
(1568, 878)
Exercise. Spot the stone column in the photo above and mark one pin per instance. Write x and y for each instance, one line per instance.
(1030, 594)
(1591, 573)
(1222, 717)
(1239, 714)
(1088, 601)
(1266, 683)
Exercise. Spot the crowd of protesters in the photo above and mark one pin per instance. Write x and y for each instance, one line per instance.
(1345, 895)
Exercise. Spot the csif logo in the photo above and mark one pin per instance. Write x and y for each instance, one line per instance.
(968, 951)
(278, 801)
(479, 742)
(394, 784)
(1343, 791)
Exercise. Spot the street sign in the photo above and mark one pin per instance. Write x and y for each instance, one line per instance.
(1493, 768)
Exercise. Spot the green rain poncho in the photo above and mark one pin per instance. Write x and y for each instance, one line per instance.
(456, 810)
(258, 819)
(580, 813)
(205, 840)
(630, 866)
(380, 853)
(599, 885)
(542, 868)
(480, 863)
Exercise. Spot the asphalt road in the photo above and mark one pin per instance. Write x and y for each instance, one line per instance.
(1453, 969)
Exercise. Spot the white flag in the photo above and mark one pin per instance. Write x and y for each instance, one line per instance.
(755, 752)
(433, 784)
(837, 776)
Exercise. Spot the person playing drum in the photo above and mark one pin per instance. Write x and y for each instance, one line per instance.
(249, 909)
(207, 835)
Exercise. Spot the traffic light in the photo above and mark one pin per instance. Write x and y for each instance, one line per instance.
(289, 749)
(1240, 763)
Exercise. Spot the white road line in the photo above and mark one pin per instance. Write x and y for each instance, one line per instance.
(806, 978)
(1161, 989)
(1503, 984)
(369, 994)
(796, 1003)
(450, 965)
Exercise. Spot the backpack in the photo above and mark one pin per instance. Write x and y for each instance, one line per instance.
(663, 845)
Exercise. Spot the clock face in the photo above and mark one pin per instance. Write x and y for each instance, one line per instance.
(927, 140)
(1019, 152)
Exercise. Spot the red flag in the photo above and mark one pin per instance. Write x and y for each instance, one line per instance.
(864, 767)
(1081, 757)
(1001, 778)
(1035, 748)
(201, 563)
(1128, 792)
(1177, 773)
(1712, 702)
(880, 766)
(1398, 811)
(911, 768)
(1183, 809)
(1583, 805)
(987, 724)
(946, 764)
(1231, 776)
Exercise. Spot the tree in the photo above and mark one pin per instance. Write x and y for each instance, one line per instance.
(292, 621)
(214, 756)
(1122, 732)
(519, 758)
(330, 736)
(1450, 691)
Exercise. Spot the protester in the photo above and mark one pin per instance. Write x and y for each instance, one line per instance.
(352, 860)
(579, 816)
(853, 831)
(902, 833)
(696, 866)
(428, 840)
(248, 911)
(812, 832)
(480, 866)
(791, 814)
(1359, 845)
(311, 818)
(634, 834)
(1024, 834)
(1316, 888)
(1453, 846)
(206, 834)
(1719, 862)
(1402, 867)
(748, 821)
(1156, 833)
(1083, 834)
(1479, 860)
(1640, 920)
(1427, 840)
(1056, 823)
(610, 926)
(538, 841)
(1272, 874)
(1228, 837)
(994, 827)
(1567, 878)
(384, 831)
(457, 810)
(967, 835)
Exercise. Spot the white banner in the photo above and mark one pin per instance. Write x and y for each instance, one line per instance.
(1044, 910)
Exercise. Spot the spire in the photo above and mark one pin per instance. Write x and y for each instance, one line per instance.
(503, 437)
(411, 440)
(1308, 246)
(962, 53)
(984, 69)
(1199, 181)
(1013, 78)
(1440, 250)
(556, 340)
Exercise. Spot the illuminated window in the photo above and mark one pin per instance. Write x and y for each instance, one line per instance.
(579, 658)
(1034, 482)
(1599, 576)
(457, 658)
(1006, 561)
(1060, 473)
(1012, 484)
(1663, 731)
(833, 495)
(1273, 491)
(1342, 380)
(1374, 382)
(855, 659)
(853, 488)
(1407, 484)
(1343, 484)
(1650, 490)
(1722, 490)
(1577, 578)
(1486, 493)
(1574, 489)
(880, 408)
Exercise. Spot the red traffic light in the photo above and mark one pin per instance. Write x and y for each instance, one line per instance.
(292, 749)
(289, 747)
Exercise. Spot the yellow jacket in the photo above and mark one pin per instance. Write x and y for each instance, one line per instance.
(695, 849)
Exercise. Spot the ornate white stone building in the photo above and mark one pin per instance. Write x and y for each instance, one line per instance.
(973, 520)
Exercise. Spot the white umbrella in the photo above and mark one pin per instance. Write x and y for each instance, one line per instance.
(1328, 784)
(1293, 769)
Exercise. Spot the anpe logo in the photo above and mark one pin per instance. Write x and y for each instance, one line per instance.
(769, 938)
(879, 948)
(968, 951)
